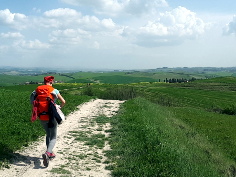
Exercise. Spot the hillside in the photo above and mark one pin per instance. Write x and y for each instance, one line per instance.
(16, 76)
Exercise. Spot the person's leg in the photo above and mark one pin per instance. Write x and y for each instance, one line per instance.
(45, 127)
(51, 135)
(45, 155)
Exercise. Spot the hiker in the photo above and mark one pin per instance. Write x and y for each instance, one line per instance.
(43, 99)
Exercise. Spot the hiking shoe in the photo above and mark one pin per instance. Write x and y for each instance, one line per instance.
(50, 155)
(45, 160)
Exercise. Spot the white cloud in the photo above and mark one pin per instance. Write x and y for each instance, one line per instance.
(11, 35)
(170, 28)
(99, 6)
(71, 19)
(108, 23)
(58, 18)
(14, 20)
(94, 24)
(61, 13)
(60, 27)
(36, 44)
(96, 45)
(137, 7)
(118, 7)
(3, 48)
(230, 28)
(89, 23)
(68, 36)
(182, 22)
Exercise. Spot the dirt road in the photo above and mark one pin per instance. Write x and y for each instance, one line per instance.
(73, 157)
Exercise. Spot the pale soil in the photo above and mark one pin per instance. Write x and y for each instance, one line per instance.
(73, 157)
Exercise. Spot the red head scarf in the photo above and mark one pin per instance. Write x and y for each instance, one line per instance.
(48, 79)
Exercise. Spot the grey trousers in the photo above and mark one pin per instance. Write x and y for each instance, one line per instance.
(51, 134)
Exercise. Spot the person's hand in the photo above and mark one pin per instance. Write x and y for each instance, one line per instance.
(58, 106)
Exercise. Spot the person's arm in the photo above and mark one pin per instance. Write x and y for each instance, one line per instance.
(62, 100)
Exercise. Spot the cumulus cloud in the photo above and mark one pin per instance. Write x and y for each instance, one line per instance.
(14, 20)
(230, 28)
(71, 19)
(170, 28)
(58, 18)
(61, 13)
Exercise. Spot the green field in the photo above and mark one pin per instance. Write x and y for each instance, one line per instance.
(92, 77)
(163, 129)
(116, 77)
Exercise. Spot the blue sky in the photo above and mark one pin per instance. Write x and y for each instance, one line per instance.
(118, 34)
(215, 6)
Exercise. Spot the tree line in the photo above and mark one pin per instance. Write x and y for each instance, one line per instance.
(182, 80)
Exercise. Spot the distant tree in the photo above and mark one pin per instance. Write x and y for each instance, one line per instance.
(193, 79)
(173, 80)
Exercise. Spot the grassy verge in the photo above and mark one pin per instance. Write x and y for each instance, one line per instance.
(148, 140)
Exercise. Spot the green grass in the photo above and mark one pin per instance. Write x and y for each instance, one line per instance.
(216, 127)
(96, 140)
(60, 170)
(148, 140)
(210, 97)
(100, 120)
(228, 80)
(123, 79)
(7, 80)
(90, 139)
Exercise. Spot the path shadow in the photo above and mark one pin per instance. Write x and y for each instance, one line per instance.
(18, 159)
(22, 160)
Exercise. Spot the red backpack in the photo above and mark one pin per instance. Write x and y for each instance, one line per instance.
(42, 101)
